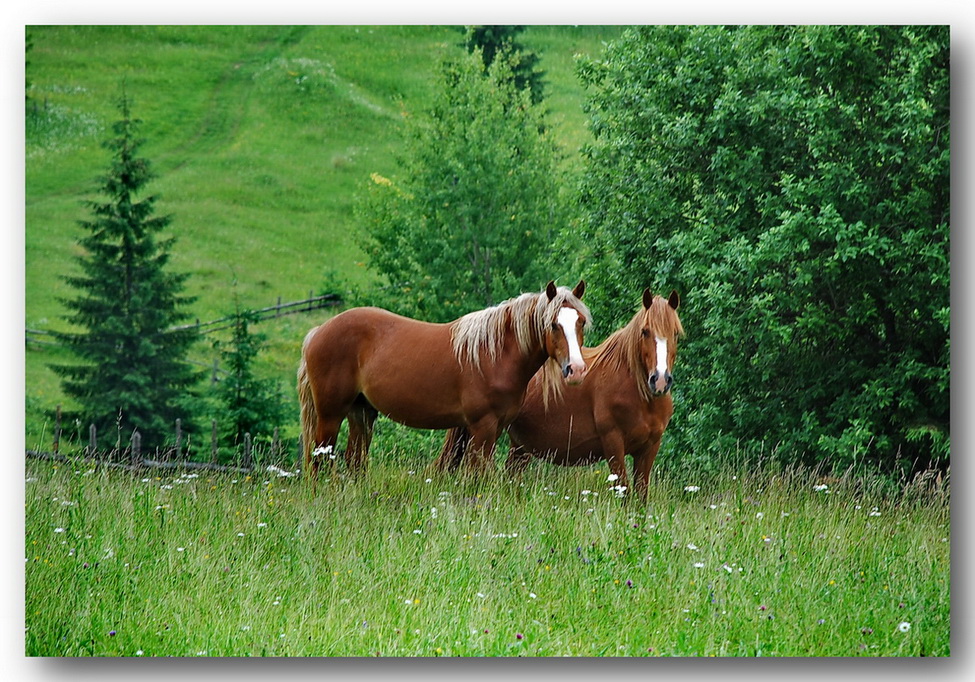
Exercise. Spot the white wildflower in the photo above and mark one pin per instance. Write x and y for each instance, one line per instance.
(324, 450)
(280, 472)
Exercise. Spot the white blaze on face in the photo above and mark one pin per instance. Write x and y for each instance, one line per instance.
(568, 317)
(661, 356)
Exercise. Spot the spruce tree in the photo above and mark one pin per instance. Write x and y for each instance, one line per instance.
(495, 40)
(249, 404)
(131, 371)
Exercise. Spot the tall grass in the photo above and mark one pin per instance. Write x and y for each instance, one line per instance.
(764, 563)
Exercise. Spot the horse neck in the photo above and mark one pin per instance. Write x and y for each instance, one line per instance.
(619, 357)
(525, 362)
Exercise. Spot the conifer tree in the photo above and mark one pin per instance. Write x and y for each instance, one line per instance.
(131, 371)
(249, 404)
(494, 40)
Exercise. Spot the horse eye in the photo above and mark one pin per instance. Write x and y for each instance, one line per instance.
(645, 333)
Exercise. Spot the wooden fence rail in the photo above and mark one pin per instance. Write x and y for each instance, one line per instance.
(132, 456)
(36, 336)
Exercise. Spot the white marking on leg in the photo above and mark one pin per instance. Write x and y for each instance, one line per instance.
(568, 317)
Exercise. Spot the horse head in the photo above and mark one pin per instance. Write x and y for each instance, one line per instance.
(564, 332)
(658, 339)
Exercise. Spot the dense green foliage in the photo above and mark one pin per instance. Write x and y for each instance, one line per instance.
(471, 218)
(793, 184)
(132, 372)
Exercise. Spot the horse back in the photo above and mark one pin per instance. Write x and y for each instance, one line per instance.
(404, 368)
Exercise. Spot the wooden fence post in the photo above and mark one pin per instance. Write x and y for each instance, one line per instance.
(247, 451)
(136, 454)
(57, 430)
(92, 440)
(213, 443)
(275, 444)
(179, 437)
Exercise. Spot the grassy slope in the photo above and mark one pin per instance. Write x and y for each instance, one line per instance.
(260, 136)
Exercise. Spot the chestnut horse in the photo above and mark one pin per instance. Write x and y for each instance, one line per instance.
(622, 408)
(471, 373)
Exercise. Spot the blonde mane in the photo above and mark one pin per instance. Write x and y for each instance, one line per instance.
(621, 349)
(527, 316)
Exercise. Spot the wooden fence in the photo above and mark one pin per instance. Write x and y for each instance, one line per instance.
(134, 455)
(249, 457)
(38, 336)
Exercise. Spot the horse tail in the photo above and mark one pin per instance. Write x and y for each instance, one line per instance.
(453, 450)
(306, 401)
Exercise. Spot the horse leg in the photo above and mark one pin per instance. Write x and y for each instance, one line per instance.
(616, 458)
(642, 463)
(480, 449)
(362, 418)
(326, 436)
(456, 444)
(518, 459)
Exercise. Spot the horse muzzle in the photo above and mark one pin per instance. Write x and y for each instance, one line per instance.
(574, 372)
(660, 383)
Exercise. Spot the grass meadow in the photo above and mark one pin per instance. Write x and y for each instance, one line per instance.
(774, 563)
(262, 137)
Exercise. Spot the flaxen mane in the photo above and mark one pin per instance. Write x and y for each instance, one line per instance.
(528, 316)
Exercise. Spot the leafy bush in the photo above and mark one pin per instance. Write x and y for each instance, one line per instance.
(470, 220)
(793, 184)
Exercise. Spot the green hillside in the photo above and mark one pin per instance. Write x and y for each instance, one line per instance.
(261, 138)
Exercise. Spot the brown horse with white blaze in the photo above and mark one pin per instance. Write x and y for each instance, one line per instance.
(471, 373)
(622, 408)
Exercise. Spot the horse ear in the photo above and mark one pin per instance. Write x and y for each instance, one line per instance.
(550, 289)
(647, 298)
(674, 299)
(580, 288)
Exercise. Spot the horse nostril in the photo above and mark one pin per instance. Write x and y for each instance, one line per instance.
(566, 371)
(670, 379)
